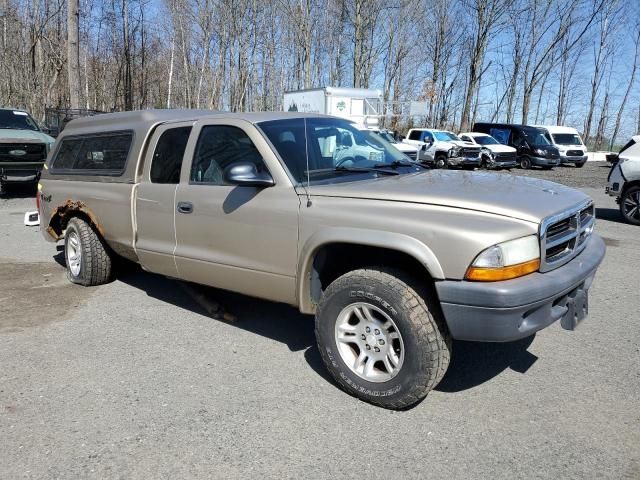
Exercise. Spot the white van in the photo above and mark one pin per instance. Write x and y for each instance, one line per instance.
(567, 140)
(624, 181)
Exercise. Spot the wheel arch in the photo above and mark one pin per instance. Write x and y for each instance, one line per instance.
(356, 248)
(65, 212)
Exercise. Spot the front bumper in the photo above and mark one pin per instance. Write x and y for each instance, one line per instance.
(464, 161)
(514, 309)
(20, 172)
(503, 164)
(565, 159)
(544, 161)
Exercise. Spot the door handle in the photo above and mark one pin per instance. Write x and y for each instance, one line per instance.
(185, 207)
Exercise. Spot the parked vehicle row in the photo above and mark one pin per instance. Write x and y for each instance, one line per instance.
(498, 145)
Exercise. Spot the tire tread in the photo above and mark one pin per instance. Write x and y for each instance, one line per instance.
(427, 326)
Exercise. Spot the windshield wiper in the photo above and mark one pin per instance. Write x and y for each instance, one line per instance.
(366, 169)
(342, 169)
(399, 163)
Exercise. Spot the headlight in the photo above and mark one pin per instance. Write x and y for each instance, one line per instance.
(49, 147)
(541, 152)
(454, 152)
(487, 152)
(506, 260)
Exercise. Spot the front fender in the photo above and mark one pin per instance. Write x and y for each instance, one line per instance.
(357, 236)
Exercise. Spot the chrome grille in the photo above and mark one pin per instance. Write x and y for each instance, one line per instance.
(574, 153)
(505, 156)
(565, 235)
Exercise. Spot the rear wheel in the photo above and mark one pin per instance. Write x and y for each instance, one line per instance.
(630, 205)
(525, 162)
(87, 257)
(380, 339)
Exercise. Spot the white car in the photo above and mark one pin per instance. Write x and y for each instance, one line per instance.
(568, 142)
(410, 151)
(442, 148)
(624, 181)
(493, 153)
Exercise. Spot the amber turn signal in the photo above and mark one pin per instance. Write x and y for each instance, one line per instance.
(478, 274)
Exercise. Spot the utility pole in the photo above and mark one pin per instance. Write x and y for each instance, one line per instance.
(73, 53)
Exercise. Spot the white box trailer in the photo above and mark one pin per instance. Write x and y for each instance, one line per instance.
(362, 105)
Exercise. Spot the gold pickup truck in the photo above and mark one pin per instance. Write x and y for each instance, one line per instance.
(395, 260)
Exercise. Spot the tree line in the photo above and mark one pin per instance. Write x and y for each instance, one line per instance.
(572, 62)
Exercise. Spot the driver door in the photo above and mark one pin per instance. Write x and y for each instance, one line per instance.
(233, 237)
(429, 154)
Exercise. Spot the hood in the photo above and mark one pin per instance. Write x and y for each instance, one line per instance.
(525, 198)
(24, 136)
(462, 143)
(405, 147)
(499, 148)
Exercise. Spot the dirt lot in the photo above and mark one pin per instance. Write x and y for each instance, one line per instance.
(137, 379)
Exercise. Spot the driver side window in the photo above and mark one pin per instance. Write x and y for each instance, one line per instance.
(219, 147)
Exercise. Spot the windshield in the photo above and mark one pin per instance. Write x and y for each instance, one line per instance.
(17, 120)
(335, 148)
(536, 137)
(567, 139)
(486, 140)
(387, 136)
(445, 136)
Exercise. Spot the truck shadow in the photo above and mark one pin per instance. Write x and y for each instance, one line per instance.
(276, 321)
(472, 363)
(610, 215)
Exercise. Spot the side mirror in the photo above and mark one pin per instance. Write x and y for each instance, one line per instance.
(246, 174)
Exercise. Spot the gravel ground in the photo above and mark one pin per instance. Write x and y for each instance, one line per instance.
(135, 379)
(592, 175)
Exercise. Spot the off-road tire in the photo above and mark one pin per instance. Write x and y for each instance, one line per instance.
(580, 164)
(427, 343)
(440, 161)
(630, 195)
(524, 162)
(96, 262)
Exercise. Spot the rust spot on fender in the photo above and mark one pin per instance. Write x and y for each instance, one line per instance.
(61, 213)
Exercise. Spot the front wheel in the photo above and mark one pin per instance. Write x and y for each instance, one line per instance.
(630, 205)
(525, 163)
(441, 162)
(381, 341)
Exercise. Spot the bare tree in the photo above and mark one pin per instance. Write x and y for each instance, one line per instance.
(627, 92)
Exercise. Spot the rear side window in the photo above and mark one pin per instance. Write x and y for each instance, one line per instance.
(414, 135)
(104, 154)
(167, 159)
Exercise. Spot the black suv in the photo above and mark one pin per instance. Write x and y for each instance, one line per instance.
(532, 143)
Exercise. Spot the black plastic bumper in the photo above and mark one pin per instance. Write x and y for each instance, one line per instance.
(543, 161)
(513, 309)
